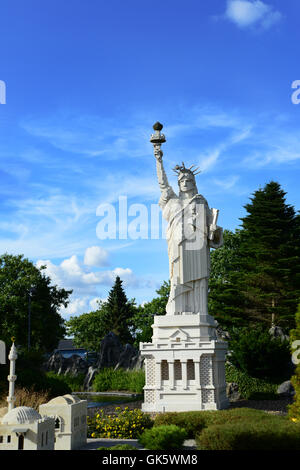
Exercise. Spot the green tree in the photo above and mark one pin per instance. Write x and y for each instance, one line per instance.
(255, 352)
(143, 318)
(225, 300)
(118, 312)
(259, 265)
(115, 314)
(17, 276)
(270, 257)
(88, 329)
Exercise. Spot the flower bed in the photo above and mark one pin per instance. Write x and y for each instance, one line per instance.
(122, 424)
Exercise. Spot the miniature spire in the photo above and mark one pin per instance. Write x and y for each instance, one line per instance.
(12, 377)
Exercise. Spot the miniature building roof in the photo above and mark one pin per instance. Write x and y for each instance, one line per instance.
(64, 400)
(20, 415)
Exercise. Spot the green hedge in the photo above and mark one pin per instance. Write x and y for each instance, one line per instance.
(68, 381)
(270, 434)
(192, 421)
(195, 421)
(235, 429)
(164, 437)
(251, 387)
(109, 379)
(118, 447)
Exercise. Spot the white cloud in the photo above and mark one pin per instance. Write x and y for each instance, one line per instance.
(247, 13)
(95, 256)
(75, 307)
(87, 285)
(71, 274)
(226, 183)
(89, 135)
(94, 303)
(210, 159)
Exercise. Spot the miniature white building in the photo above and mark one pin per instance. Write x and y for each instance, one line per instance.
(23, 428)
(61, 424)
(70, 416)
(2, 352)
(184, 365)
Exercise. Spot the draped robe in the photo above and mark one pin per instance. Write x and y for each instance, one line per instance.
(189, 251)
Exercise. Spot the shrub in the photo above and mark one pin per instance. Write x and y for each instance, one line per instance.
(250, 387)
(126, 424)
(164, 437)
(195, 421)
(118, 447)
(109, 379)
(192, 421)
(56, 384)
(103, 380)
(270, 434)
(294, 408)
(75, 382)
(256, 353)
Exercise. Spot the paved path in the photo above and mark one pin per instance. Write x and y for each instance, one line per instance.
(94, 444)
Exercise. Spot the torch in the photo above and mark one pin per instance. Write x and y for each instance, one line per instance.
(157, 138)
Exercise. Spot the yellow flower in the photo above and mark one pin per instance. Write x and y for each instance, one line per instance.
(294, 420)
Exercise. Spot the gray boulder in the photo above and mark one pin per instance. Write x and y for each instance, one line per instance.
(232, 391)
(113, 354)
(277, 332)
(286, 389)
(88, 380)
(73, 365)
(221, 334)
(111, 349)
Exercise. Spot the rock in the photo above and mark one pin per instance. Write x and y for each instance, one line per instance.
(73, 365)
(232, 391)
(110, 351)
(222, 334)
(277, 332)
(115, 355)
(286, 389)
(88, 380)
(128, 357)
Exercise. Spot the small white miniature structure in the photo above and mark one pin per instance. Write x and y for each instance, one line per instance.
(70, 416)
(13, 356)
(60, 424)
(23, 428)
(2, 352)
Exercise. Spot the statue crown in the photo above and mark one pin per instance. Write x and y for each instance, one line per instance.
(182, 169)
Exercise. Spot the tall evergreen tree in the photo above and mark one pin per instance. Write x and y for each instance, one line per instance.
(118, 312)
(261, 283)
(225, 299)
(270, 257)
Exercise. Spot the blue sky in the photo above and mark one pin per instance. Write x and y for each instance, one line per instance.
(85, 82)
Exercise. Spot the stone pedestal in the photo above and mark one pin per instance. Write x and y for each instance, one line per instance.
(185, 365)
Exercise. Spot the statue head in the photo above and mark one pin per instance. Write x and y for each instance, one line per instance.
(186, 180)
